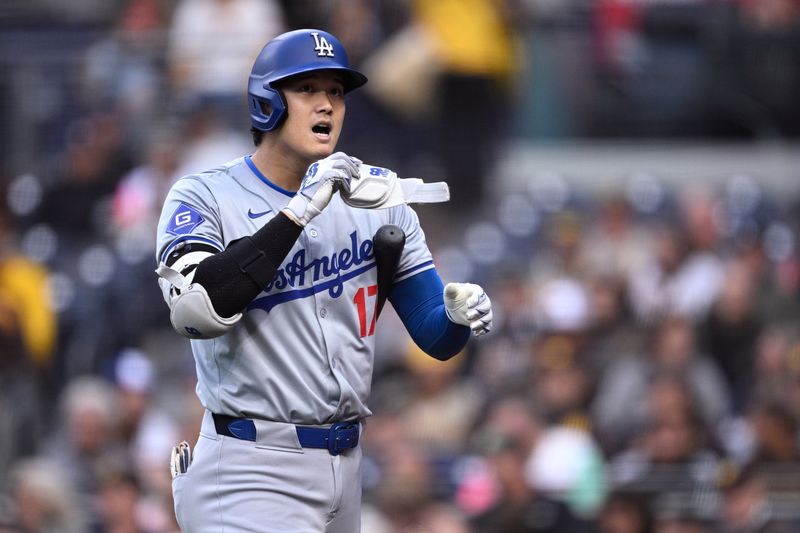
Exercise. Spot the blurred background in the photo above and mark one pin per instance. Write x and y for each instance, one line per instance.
(626, 185)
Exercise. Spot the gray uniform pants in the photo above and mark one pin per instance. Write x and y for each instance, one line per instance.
(272, 485)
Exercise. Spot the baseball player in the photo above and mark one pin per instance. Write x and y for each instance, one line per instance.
(268, 265)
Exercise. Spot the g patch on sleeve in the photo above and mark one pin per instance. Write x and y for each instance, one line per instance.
(184, 220)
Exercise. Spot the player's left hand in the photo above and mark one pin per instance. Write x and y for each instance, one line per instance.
(467, 304)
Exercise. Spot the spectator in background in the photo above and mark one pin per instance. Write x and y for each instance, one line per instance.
(146, 431)
(566, 464)
(560, 255)
(683, 522)
(610, 250)
(776, 431)
(675, 280)
(212, 45)
(141, 191)
(614, 245)
(88, 439)
(698, 209)
(560, 385)
(520, 507)
(22, 408)
(73, 223)
(443, 405)
(44, 500)
(503, 364)
(674, 452)
(649, 67)
(777, 368)
(473, 42)
(527, 476)
(25, 294)
(27, 337)
(510, 421)
(96, 157)
(356, 24)
(23, 413)
(617, 26)
(135, 207)
(442, 518)
(754, 62)
(124, 507)
(405, 494)
(118, 496)
(625, 512)
(747, 508)
(620, 409)
(124, 70)
(612, 334)
(730, 331)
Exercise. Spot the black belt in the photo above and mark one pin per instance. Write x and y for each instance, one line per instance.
(339, 437)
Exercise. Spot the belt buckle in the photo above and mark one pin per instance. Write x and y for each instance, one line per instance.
(342, 436)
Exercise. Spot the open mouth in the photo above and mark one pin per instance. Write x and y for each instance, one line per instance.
(322, 129)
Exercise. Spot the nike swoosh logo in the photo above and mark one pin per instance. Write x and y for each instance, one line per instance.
(257, 215)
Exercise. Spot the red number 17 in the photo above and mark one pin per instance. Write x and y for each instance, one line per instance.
(360, 299)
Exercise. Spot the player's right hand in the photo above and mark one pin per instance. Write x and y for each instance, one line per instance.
(467, 304)
(319, 184)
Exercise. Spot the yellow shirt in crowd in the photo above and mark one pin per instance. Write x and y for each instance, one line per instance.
(471, 36)
(24, 289)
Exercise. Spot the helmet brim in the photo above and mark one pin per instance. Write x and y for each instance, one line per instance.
(352, 79)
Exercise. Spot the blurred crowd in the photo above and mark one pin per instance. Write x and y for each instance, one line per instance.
(643, 374)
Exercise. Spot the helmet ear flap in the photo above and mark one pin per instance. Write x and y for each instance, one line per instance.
(267, 108)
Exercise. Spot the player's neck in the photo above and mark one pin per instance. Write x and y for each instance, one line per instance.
(281, 169)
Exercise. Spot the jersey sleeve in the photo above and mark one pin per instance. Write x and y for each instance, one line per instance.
(190, 214)
(416, 256)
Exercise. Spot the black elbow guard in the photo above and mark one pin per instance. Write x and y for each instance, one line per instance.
(235, 276)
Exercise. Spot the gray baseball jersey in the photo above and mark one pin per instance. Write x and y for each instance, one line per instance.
(303, 351)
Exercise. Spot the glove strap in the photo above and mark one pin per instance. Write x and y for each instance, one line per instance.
(416, 191)
(177, 279)
(297, 210)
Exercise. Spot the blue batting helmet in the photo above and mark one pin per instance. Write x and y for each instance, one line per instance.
(287, 55)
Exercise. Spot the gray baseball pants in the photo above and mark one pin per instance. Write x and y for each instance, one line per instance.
(272, 485)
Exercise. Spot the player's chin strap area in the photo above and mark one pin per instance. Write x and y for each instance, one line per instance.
(380, 188)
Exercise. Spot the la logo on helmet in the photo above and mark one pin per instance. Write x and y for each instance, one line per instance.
(323, 47)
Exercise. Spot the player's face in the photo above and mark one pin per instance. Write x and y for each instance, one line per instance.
(315, 104)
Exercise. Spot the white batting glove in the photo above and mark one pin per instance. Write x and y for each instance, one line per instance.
(319, 184)
(467, 304)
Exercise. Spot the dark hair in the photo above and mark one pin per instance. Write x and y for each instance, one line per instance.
(634, 504)
(258, 135)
